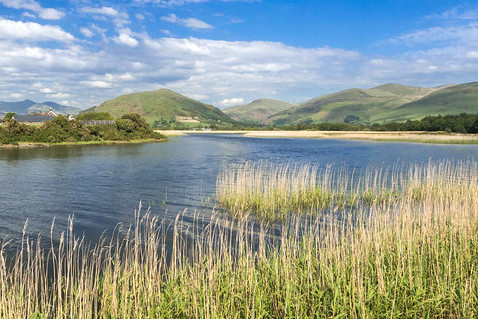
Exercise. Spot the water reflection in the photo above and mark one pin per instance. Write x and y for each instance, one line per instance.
(103, 185)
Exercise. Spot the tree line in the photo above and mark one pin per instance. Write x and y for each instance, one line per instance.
(129, 127)
(461, 123)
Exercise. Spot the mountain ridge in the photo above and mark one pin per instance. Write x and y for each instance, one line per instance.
(28, 106)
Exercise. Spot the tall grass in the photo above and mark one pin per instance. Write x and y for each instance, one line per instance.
(275, 191)
(413, 256)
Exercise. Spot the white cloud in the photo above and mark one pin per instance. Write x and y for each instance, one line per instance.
(17, 96)
(189, 22)
(87, 32)
(109, 11)
(463, 33)
(44, 13)
(125, 39)
(46, 90)
(459, 13)
(31, 31)
(97, 84)
(59, 95)
(231, 102)
(29, 15)
(51, 14)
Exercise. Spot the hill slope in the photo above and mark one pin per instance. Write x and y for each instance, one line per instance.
(257, 111)
(162, 104)
(352, 105)
(456, 99)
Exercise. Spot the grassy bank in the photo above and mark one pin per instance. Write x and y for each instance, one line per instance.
(413, 256)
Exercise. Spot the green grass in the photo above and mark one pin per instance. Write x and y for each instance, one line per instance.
(414, 256)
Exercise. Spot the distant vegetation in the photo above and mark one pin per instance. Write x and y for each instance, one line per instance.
(60, 130)
(462, 123)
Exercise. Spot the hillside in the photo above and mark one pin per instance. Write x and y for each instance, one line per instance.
(456, 99)
(352, 105)
(257, 111)
(163, 104)
(29, 106)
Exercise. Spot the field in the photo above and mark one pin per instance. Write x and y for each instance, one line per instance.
(395, 243)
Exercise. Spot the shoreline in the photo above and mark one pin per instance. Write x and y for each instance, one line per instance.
(26, 145)
(386, 136)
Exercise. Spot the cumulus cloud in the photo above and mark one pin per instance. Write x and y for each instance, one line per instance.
(44, 13)
(189, 22)
(231, 102)
(125, 39)
(31, 31)
(109, 11)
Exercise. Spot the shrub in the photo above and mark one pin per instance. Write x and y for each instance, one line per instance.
(94, 116)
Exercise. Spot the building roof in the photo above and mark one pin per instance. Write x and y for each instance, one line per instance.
(33, 118)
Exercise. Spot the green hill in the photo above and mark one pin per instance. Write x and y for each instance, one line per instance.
(456, 99)
(257, 111)
(352, 105)
(163, 104)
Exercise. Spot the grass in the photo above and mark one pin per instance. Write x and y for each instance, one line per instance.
(413, 256)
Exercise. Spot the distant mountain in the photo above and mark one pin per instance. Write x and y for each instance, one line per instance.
(456, 99)
(385, 103)
(163, 104)
(352, 105)
(257, 111)
(29, 106)
(20, 107)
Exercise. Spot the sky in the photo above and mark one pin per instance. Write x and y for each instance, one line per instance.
(228, 52)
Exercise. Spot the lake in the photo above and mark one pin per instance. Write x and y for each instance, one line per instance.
(103, 185)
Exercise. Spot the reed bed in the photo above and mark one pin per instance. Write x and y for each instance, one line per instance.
(274, 192)
(414, 256)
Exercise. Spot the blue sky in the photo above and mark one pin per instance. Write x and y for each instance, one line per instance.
(227, 52)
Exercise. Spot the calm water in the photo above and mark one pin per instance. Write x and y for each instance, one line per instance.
(103, 185)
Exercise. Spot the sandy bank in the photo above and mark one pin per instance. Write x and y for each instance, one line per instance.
(417, 137)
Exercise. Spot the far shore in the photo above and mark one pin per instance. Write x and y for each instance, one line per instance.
(415, 137)
(37, 145)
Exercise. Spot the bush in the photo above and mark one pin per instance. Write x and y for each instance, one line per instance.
(94, 116)
(125, 125)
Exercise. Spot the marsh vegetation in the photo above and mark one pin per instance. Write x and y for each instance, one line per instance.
(392, 244)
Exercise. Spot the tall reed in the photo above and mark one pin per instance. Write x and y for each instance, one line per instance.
(413, 256)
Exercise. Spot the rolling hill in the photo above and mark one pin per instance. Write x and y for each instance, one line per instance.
(456, 99)
(163, 104)
(375, 105)
(257, 111)
(29, 106)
